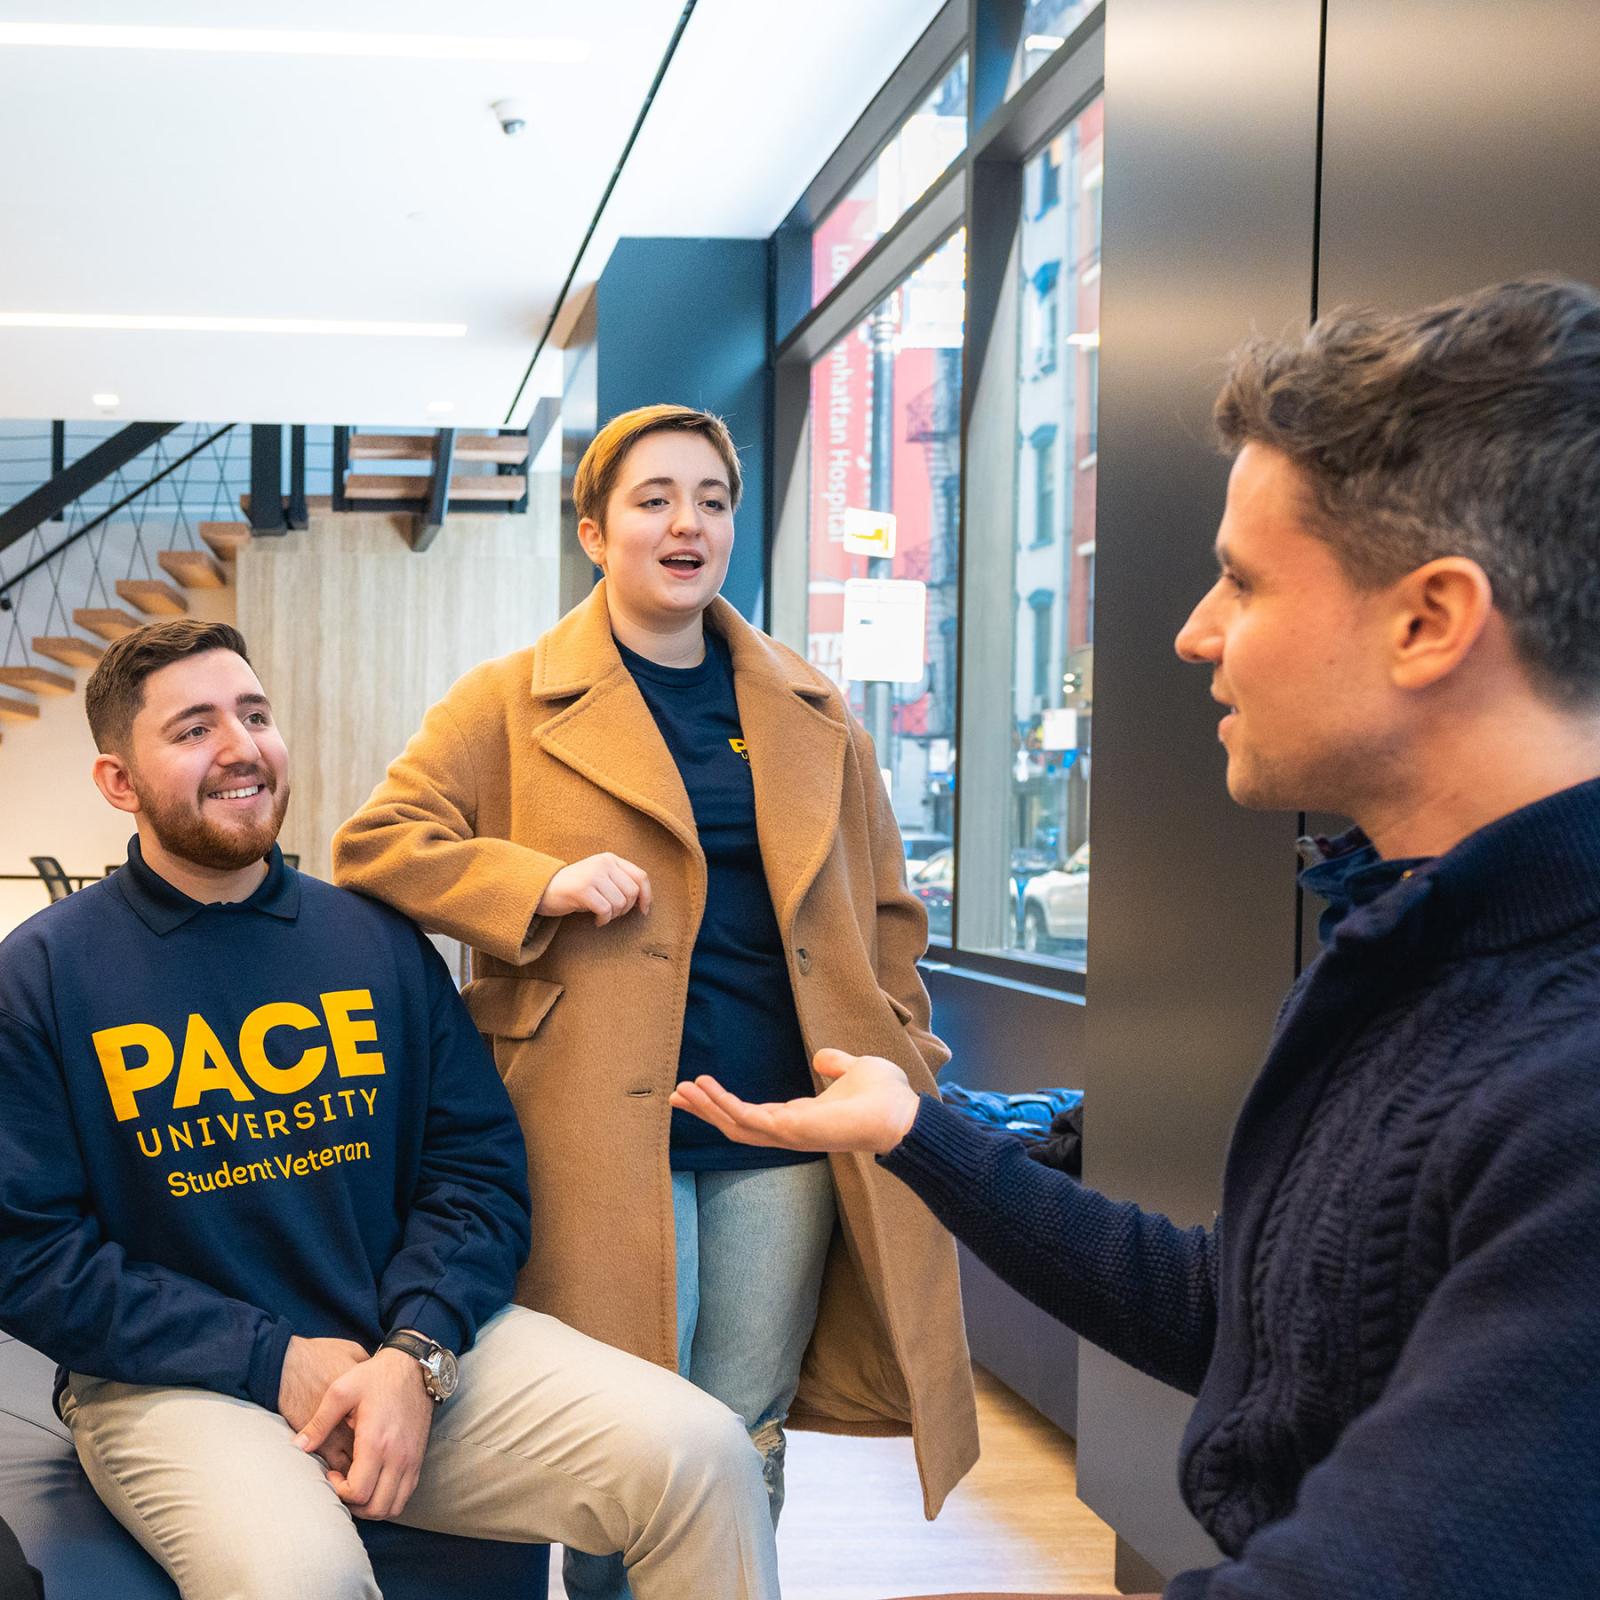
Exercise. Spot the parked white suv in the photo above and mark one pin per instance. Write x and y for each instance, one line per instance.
(1055, 907)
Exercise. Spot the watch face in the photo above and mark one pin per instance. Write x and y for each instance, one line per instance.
(446, 1374)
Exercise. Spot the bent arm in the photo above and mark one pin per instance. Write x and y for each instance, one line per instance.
(1128, 1280)
(414, 845)
(74, 1294)
(468, 1231)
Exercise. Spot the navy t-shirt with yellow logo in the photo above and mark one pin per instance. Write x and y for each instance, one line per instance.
(739, 1023)
(224, 1124)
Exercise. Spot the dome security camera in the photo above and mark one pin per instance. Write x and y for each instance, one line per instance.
(512, 115)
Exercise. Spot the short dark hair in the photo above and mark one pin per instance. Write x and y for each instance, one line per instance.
(597, 472)
(1470, 428)
(115, 690)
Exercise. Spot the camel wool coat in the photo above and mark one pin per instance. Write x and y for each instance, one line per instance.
(549, 755)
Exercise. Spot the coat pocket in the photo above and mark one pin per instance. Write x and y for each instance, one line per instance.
(510, 1008)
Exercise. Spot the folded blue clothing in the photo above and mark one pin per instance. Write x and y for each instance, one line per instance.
(1027, 1114)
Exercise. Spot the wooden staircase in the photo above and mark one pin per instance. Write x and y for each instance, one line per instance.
(429, 495)
(150, 600)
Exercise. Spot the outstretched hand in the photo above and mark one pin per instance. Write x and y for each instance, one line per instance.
(869, 1105)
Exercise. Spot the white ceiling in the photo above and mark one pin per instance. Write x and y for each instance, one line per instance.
(176, 182)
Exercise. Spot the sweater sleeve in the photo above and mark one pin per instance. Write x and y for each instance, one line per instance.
(468, 1229)
(77, 1296)
(1131, 1281)
(415, 846)
(1474, 1472)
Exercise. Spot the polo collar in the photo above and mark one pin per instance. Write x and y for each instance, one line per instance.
(1529, 875)
(162, 906)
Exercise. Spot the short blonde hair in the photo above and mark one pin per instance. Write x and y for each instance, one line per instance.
(602, 461)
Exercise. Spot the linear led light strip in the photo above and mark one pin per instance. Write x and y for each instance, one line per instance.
(124, 324)
(294, 42)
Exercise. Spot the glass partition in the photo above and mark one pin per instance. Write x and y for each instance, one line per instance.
(1052, 681)
(882, 565)
(922, 148)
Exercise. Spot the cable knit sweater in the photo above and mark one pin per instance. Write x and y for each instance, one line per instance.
(1393, 1331)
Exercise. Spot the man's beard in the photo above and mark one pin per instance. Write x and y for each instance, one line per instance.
(184, 832)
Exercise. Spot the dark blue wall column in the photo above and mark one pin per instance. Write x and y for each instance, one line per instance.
(686, 321)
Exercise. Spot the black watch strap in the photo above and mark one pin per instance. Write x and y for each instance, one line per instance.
(411, 1343)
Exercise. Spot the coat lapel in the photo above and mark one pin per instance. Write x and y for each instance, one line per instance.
(796, 739)
(607, 734)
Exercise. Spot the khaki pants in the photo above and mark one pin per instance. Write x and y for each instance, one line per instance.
(552, 1436)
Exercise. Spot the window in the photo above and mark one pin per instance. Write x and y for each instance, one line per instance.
(1046, 25)
(1044, 484)
(1052, 697)
(882, 565)
(922, 148)
(1042, 602)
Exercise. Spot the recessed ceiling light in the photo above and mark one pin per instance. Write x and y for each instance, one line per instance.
(440, 408)
(108, 322)
(106, 402)
(295, 42)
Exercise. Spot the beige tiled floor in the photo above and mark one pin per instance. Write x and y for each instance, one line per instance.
(853, 1527)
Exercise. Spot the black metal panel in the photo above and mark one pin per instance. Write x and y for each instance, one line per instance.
(1459, 147)
(1211, 130)
(266, 478)
(92, 468)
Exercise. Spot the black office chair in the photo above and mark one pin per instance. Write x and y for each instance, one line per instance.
(54, 875)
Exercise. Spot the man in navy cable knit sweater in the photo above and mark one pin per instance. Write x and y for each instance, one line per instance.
(1393, 1329)
(262, 1194)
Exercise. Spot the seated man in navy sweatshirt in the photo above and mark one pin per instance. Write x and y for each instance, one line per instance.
(262, 1194)
(1393, 1329)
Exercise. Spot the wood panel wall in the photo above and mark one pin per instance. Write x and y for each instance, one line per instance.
(354, 636)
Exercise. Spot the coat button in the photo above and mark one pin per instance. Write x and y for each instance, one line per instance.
(802, 959)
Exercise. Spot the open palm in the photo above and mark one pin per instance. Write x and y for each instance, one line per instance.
(869, 1105)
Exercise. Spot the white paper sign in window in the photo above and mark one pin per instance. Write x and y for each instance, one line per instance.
(868, 533)
(885, 630)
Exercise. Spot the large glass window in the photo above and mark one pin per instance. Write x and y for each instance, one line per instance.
(923, 146)
(1052, 682)
(1046, 25)
(882, 552)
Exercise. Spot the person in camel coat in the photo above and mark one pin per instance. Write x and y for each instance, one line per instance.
(572, 814)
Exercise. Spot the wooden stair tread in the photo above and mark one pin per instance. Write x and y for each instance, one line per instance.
(489, 486)
(391, 447)
(402, 486)
(110, 622)
(511, 451)
(225, 537)
(195, 569)
(153, 596)
(18, 710)
(37, 680)
(68, 649)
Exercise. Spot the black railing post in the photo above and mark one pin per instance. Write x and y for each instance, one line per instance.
(58, 458)
(444, 455)
(266, 478)
(341, 465)
(298, 515)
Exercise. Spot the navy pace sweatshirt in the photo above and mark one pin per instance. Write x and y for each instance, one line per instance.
(1393, 1329)
(224, 1124)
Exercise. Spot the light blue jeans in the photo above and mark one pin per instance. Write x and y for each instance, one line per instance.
(751, 1249)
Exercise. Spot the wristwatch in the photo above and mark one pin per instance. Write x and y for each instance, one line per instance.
(440, 1371)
